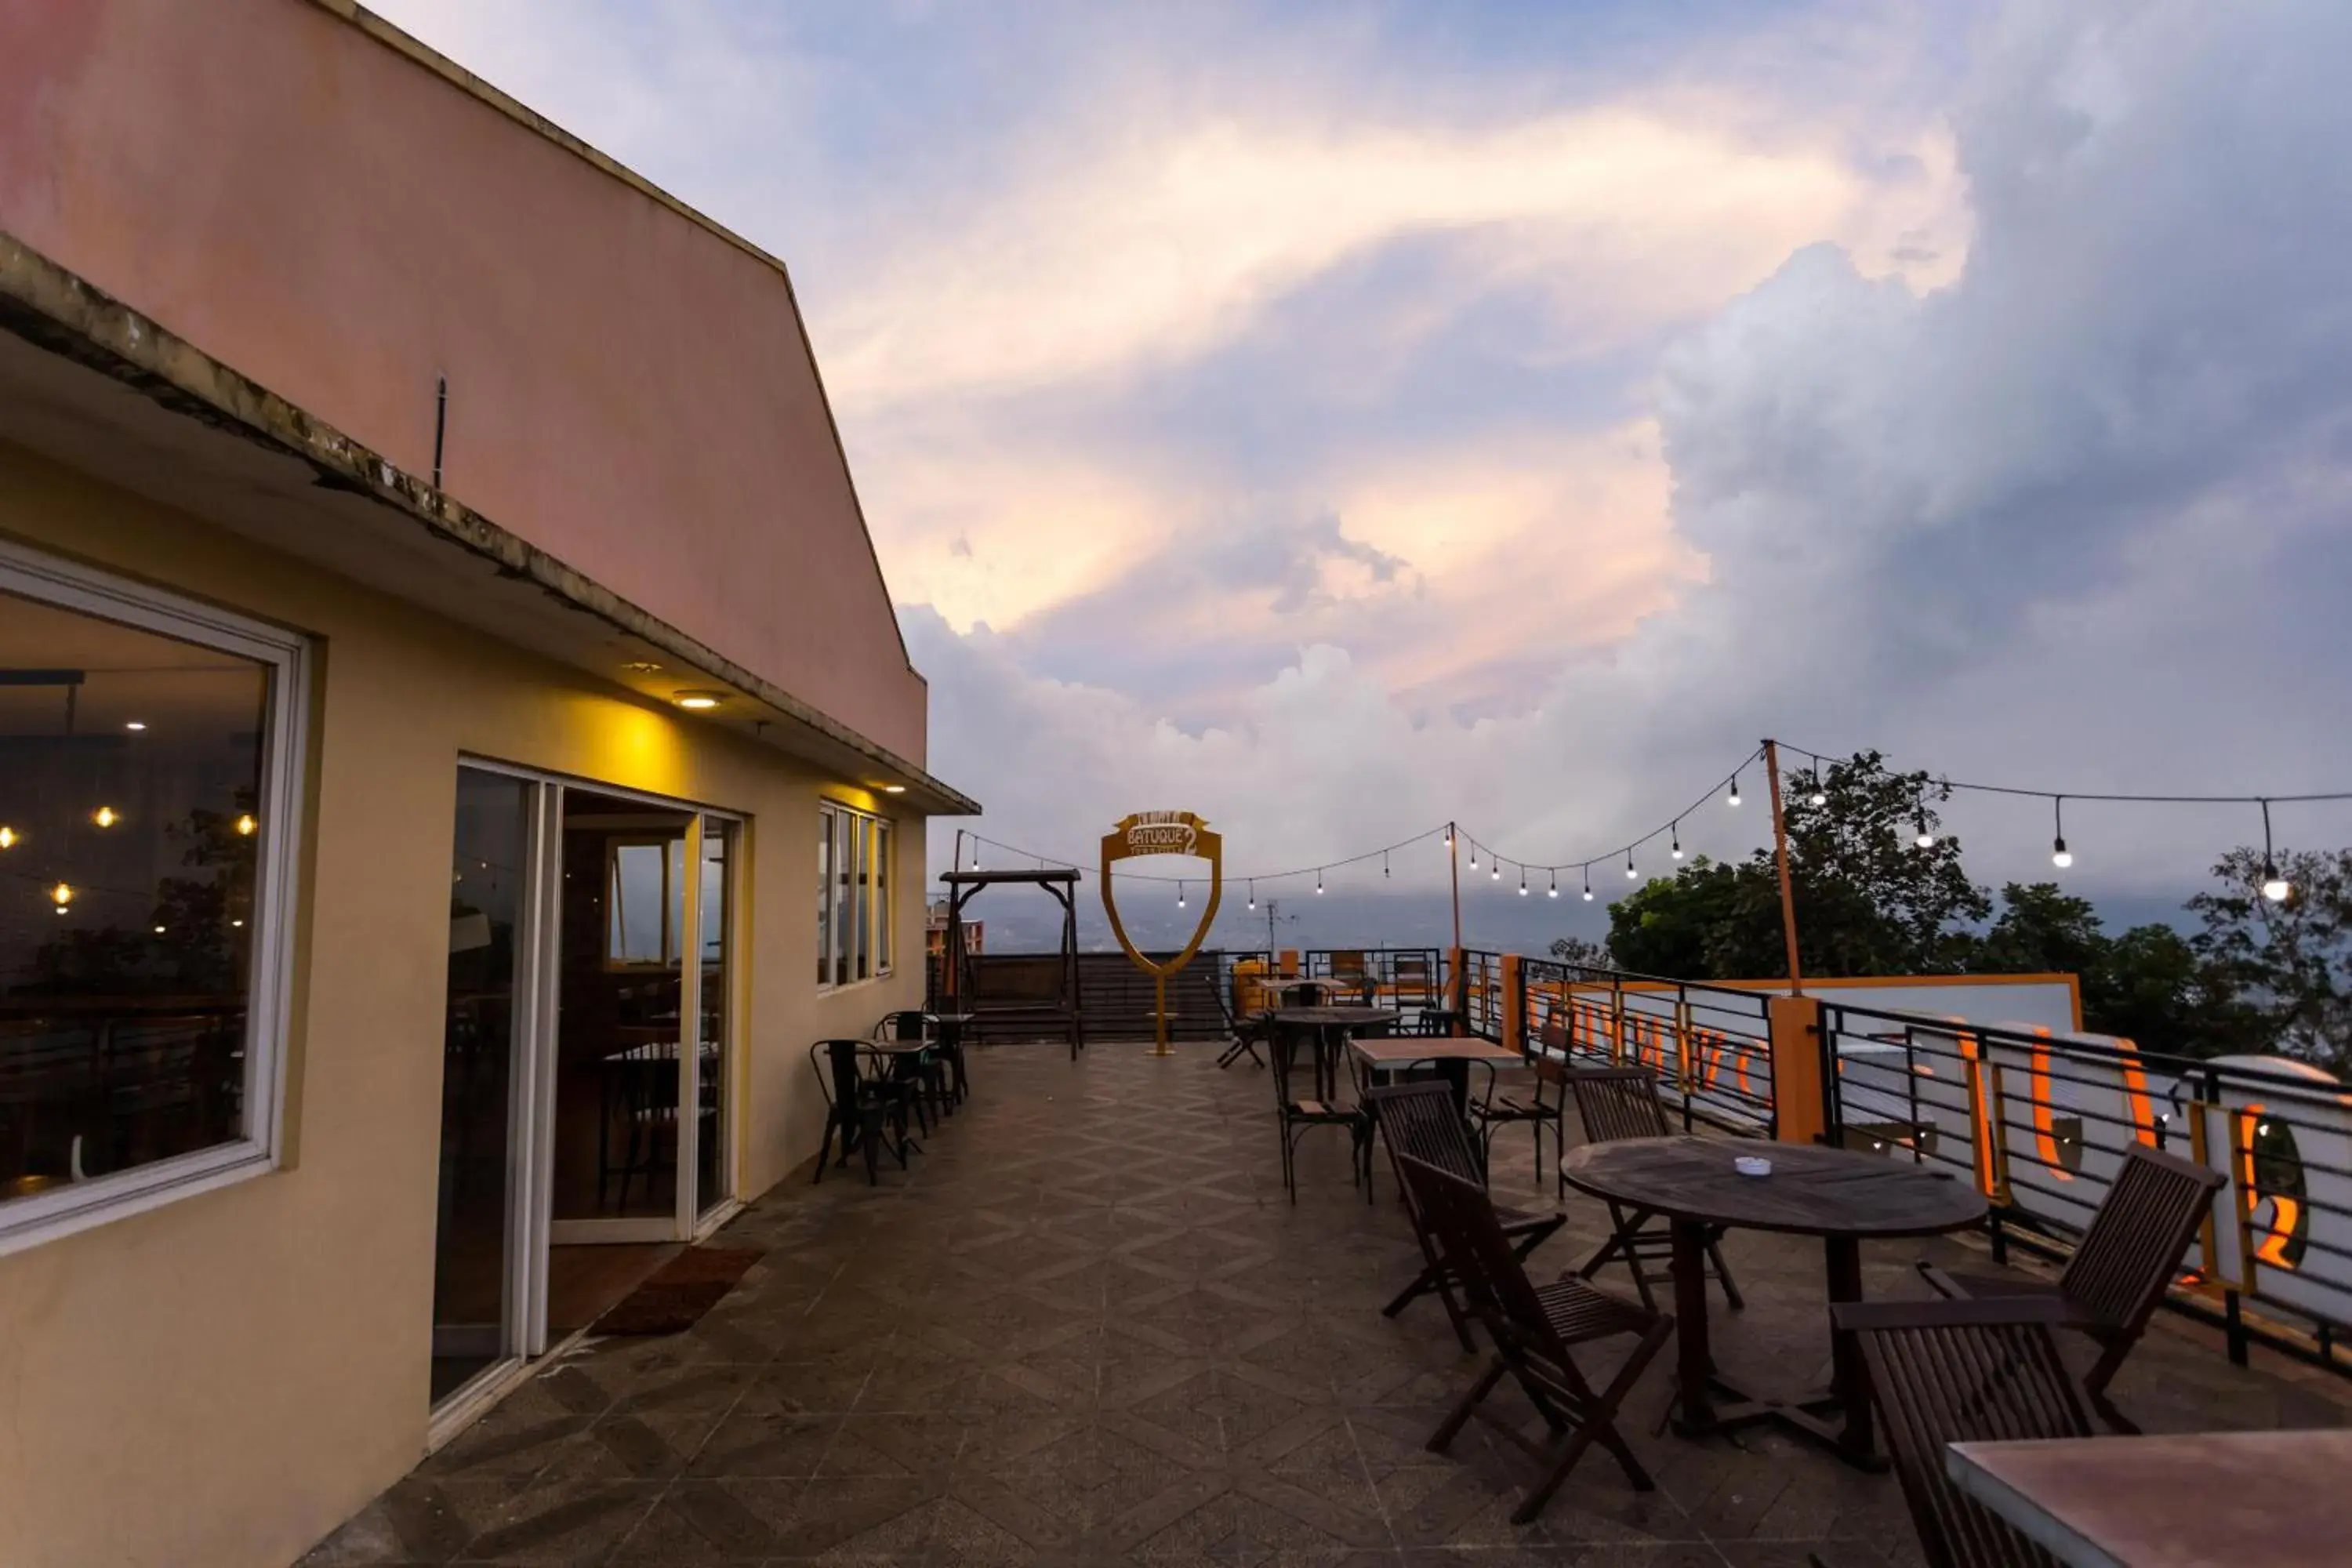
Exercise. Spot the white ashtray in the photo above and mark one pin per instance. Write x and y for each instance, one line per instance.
(1751, 1165)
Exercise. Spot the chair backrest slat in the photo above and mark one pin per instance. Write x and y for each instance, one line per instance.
(1418, 1120)
(1615, 1103)
(1962, 1372)
(1464, 1223)
(2135, 1240)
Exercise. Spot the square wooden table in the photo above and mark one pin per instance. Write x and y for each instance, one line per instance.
(1451, 1055)
(2178, 1500)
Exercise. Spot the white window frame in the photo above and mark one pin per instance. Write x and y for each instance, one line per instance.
(45, 1217)
(871, 906)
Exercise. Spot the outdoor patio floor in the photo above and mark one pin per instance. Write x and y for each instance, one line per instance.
(1087, 1327)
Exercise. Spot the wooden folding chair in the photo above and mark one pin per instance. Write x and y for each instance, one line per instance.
(1614, 1103)
(1534, 1329)
(1419, 1119)
(2121, 1267)
(1297, 1112)
(1963, 1372)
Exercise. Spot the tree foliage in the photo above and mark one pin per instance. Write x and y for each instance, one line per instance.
(1871, 900)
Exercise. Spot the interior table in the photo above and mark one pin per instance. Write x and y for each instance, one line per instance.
(2172, 1501)
(1330, 1028)
(1451, 1055)
(1842, 1196)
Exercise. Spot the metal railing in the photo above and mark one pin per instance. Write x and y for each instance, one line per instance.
(2041, 1122)
(1710, 1045)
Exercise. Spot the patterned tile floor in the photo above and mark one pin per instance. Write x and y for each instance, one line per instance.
(1087, 1327)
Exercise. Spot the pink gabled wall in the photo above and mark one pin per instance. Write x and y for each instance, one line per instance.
(628, 390)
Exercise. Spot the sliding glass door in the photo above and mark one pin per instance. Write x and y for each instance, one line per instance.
(592, 936)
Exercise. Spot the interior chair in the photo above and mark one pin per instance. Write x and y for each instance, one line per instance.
(2122, 1266)
(1419, 1119)
(1535, 1330)
(1300, 1113)
(1615, 1103)
(1962, 1372)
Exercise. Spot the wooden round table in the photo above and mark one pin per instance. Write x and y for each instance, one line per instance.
(1840, 1196)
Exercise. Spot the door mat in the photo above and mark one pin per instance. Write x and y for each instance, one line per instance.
(673, 1297)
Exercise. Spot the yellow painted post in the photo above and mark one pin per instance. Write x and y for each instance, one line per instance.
(1286, 962)
(1514, 1004)
(2198, 1151)
(1616, 1028)
(1683, 1042)
(1797, 1102)
(1460, 1000)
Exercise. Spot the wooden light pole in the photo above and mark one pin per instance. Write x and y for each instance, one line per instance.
(1454, 855)
(1780, 854)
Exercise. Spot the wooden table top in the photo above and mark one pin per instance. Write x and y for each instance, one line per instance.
(1813, 1191)
(2170, 1501)
(1334, 1017)
(1398, 1050)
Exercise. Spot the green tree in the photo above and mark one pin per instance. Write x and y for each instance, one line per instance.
(2288, 963)
(1870, 898)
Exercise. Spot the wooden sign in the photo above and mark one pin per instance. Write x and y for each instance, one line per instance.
(1163, 833)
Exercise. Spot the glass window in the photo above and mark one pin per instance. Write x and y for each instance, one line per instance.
(854, 899)
(844, 909)
(145, 754)
(824, 896)
(882, 910)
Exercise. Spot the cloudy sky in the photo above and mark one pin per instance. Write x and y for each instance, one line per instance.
(1337, 419)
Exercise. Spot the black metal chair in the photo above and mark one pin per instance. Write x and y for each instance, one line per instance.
(1962, 1372)
(2121, 1268)
(1535, 1330)
(1534, 1095)
(931, 1069)
(1614, 1103)
(1299, 1113)
(1419, 1119)
(861, 1101)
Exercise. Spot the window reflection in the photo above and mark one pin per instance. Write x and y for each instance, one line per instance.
(131, 773)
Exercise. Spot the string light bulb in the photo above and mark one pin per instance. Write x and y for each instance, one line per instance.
(2059, 856)
(1523, 882)
(1924, 839)
(62, 894)
(1820, 796)
(1179, 893)
(2275, 887)
(1733, 798)
(1449, 835)
(1587, 884)
(106, 816)
(7, 838)
(246, 824)
(1677, 831)
(1553, 891)
(1474, 856)
(1252, 893)
(1496, 873)
(1318, 881)
(1630, 873)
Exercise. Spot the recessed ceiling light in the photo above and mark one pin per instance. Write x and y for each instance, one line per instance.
(135, 724)
(642, 667)
(700, 699)
(894, 789)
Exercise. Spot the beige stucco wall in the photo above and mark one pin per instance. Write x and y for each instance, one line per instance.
(628, 390)
(224, 1380)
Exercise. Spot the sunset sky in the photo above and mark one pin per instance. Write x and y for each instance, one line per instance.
(1339, 418)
